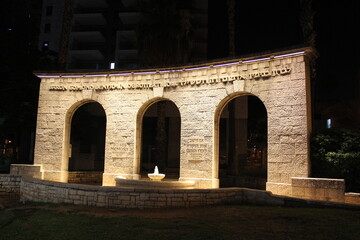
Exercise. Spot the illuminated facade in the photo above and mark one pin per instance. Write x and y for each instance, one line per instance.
(220, 121)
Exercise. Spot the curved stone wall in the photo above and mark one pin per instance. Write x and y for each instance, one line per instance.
(280, 80)
(36, 190)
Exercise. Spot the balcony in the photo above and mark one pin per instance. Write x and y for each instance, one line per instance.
(91, 37)
(87, 55)
(129, 3)
(126, 39)
(89, 19)
(129, 18)
(127, 54)
(91, 4)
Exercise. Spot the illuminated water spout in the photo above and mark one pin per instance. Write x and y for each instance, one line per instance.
(156, 176)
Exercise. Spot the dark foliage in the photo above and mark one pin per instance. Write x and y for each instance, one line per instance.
(336, 154)
(165, 33)
(5, 163)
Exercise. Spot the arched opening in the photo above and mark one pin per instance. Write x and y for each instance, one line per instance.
(160, 140)
(243, 143)
(87, 144)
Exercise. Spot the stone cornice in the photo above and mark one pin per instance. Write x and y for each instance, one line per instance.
(309, 52)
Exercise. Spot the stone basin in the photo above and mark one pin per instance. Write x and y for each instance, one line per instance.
(156, 176)
(174, 184)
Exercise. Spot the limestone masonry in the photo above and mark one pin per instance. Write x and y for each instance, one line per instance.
(281, 81)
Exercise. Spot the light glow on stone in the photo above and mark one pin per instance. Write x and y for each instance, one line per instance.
(112, 66)
(120, 74)
(136, 73)
(256, 60)
(226, 64)
(289, 54)
(196, 68)
(73, 76)
(96, 75)
(48, 76)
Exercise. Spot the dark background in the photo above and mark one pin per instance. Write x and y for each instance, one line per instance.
(330, 27)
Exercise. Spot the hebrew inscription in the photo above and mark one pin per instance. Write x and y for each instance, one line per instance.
(196, 149)
(254, 75)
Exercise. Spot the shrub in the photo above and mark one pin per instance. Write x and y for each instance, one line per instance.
(335, 153)
(5, 162)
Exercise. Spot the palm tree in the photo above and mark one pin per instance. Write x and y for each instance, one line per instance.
(65, 34)
(231, 26)
(164, 38)
(307, 22)
(165, 33)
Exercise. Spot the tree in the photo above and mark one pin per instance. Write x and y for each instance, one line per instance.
(164, 38)
(336, 154)
(65, 35)
(231, 26)
(165, 33)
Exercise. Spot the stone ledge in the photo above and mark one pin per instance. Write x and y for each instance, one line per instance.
(352, 198)
(318, 189)
(328, 183)
(57, 192)
(26, 170)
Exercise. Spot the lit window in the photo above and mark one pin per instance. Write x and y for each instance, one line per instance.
(45, 44)
(328, 123)
(112, 65)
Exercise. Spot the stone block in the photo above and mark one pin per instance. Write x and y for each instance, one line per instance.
(26, 170)
(298, 192)
(279, 188)
(310, 193)
(352, 198)
(319, 189)
(334, 195)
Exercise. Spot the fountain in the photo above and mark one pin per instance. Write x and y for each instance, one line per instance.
(156, 176)
(155, 182)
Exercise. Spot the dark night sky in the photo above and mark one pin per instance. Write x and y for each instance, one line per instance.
(271, 25)
(259, 27)
(338, 40)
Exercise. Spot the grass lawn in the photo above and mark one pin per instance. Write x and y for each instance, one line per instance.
(44, 221)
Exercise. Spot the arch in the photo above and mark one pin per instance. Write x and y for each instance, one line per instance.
(67, 165)
(140, 134)
(237, 98)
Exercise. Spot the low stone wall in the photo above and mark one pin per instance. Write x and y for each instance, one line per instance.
(85, 177)
(37, 190)
(322, 189)
(56, 192)
(352, 198)
(9, 190)
(15, 188)
(26, 170)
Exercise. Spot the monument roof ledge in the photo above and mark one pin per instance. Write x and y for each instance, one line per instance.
(307, 51)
